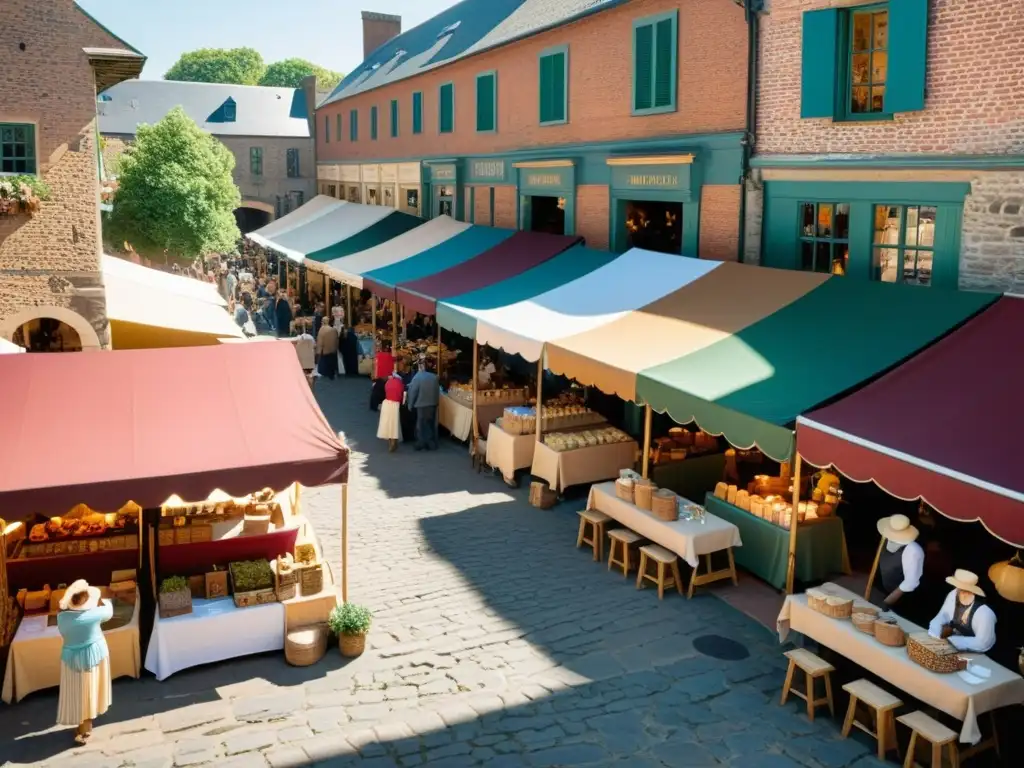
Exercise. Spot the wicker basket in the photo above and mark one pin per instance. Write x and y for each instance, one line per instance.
(934, 654)
(304, 646)
(664, 505)
(311, 579)
(865, 622)
(888, 632)
(624, 489)
(352, 645)
(833, 606)
(643, 493)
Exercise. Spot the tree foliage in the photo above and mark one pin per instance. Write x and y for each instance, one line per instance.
(175, 191)
(290, 72)
(239, 66)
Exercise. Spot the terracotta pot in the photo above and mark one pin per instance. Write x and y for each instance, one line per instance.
(352, 645)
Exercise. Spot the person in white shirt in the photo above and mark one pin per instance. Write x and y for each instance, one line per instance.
(485, 373)
(901, 564)
(305, 347)
(964, 619)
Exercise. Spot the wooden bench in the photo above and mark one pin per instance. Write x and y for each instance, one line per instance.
(813, 667)
(595, 521)
(667, 566)
(928, 729)
(626, 540)
(881, 705)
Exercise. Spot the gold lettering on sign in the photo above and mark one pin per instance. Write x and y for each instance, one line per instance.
(489, 170)
(663, 180)
(543, 180)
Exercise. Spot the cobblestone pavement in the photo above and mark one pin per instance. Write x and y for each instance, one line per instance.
(495, 643)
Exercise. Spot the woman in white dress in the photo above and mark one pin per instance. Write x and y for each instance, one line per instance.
(390, 425)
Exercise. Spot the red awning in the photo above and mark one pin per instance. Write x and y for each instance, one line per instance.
(511, 257)
(103, 428)
(945, 426)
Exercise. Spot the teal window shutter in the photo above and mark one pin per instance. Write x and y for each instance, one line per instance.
(446, 111)
(665, 63)
(337, 126)
(373, 123)
(655, 50)
(554, 74)
(353, 125)
(417, 112)
(486, 102)
(394, 118)
(818, 64)
(327, 129)
(643, 64)
(908, 54)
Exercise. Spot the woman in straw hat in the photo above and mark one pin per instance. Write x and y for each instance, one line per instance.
(901, 564)
(85, 690)
(964, 619)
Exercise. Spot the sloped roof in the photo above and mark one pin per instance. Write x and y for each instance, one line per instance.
(464, 29)
(259, 111)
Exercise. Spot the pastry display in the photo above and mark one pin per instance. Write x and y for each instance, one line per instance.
(523, 420)
(463, 393)
(584, 438)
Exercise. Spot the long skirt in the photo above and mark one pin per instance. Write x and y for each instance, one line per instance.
(390, 425)
(328, 366)
(84, 695)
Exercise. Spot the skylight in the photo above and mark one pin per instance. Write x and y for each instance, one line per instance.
(448, 30)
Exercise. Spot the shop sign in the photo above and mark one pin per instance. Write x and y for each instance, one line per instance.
(674, 178)
(551, 177)
(654, 180)
(543, 180)
(487, 170)
(442, 172)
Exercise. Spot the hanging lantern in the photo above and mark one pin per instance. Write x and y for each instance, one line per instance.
(1008, 578)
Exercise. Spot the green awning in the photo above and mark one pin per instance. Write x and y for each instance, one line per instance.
(392, 225)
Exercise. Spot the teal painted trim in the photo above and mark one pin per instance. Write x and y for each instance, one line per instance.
(844, 78)
(818, 59)
(691, 229)
(907, 56)
(417, 112)
(472, 206)
(490, 208)
(493, 114)
(327, 129)
(652, 22)
(446, 107)
(892, 192)
(394, 118)
(545, 54)
(922, 161)
(373, 123)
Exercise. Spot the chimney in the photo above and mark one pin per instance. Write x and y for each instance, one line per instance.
(378, 28)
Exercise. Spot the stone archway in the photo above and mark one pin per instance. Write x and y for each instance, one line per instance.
(86, 333)
(253, 214)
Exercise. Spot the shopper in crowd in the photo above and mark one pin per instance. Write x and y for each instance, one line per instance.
(231, 281)
(424, 395)
(318, 317)
(349, 347)
(282, 314)
(85, 689)
(383, 367)
(327, 351)
(305, 345)
(390, 425)
(964, 619)
(408, 415)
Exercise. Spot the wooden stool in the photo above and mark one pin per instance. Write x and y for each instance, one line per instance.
(931, 730)
(881, 703)
(813, 668)
(664, 558)
(596, 520)
(625, 539)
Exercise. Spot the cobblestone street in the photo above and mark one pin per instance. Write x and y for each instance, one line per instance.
(495, 643)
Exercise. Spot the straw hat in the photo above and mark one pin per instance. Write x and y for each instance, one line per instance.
(91, 601)
(966, 581)
(898, 528)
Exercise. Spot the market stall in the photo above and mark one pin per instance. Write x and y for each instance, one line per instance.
(337, 224)
(394, 224)
(321, 205)
(455, 409)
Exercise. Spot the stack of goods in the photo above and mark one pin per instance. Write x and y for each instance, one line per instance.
(681, 443)
(828, 604)
(665, 505)
(310, 570)
(523, 420)
(184, 523)
(411, 351)
(585, 438)
(286, 578)
(933, 654)
(252, 583)
(774, 509)
(464, 394)
(82, 531)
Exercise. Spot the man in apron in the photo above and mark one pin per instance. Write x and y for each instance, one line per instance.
(964, 619)
(901, 567)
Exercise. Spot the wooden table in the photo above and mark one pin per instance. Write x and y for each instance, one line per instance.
(592, 464)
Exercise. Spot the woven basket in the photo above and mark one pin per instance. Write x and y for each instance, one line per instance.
(865, 622)
(352, 645)
(643, 493)
(624, 489)
(933, 654)
(888, 632)
(311, 579)
(664, 506)
(304, 646)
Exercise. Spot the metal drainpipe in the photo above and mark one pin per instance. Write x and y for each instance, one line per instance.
(750, 9)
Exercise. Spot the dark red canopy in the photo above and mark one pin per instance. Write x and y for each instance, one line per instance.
(945, 426)
(511, 257)
(103, 428)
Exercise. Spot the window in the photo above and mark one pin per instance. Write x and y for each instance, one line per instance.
(337, 126)
(394, 118)
(904, 244)
(417, 112)
(230, 111)
(487, 102)
(353, 125)
(327, 129)
(293, 163)
(654, 64)
(256, 161)
(864, 63)
(825, 237)
(17, 148)
(373, 123)
(554, 93)
(446, 109)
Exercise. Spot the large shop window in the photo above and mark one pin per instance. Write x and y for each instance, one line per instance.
(553, 86)
(825, 237)
(655, 41)
(904, 249)
(654, 226)
(446, 109)
(864, 63)
(17, 148)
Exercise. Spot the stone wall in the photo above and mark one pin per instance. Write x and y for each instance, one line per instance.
(754, 190)
(992, 246)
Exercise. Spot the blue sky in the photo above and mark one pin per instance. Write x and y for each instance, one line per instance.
(326, 32)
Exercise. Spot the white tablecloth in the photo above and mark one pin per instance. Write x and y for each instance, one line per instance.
(508, 453)
(216, 630)
(687, 538)
(947, 693)
(457, 417)
(583, 465)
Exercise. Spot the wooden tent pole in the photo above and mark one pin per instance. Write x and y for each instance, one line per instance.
(476, 380)
(793, 525)
(327, 299)
(344, 542)
(373, 328)
(348, 305)
(540, 394)
(394, 327)
(647, 440)
(874, 570)
(440, 353)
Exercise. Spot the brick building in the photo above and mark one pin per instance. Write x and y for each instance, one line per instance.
(55, 58)
(266, 129)
(890, 141)
(618, 120)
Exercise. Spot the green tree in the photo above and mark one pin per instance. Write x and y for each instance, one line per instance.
(289, 73)
(175, 191)
(240, 66)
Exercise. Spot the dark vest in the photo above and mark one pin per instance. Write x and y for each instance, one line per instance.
(890, 569)
(959, 624)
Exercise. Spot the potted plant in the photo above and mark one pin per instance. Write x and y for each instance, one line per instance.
(350, 622)
(22, 194)
(175, 597)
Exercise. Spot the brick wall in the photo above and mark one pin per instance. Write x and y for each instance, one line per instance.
(51, 84)
(482, 206)
(974, 103)
(505, 207)
(992, 245)
(711, 89)
(378, 28)
(719, 221)
(592, 202)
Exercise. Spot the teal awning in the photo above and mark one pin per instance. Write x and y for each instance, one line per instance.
(392, 225)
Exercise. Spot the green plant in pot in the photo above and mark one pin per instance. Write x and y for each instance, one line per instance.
(350, 622)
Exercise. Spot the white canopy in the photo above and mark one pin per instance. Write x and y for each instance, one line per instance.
(350, 269)
(633, 280)
(163, 281)
(9, 347)
(332, 227)
(318, 206)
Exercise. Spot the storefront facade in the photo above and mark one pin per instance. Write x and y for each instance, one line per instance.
(393, 185)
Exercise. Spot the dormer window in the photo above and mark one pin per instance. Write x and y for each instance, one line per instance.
(229, 111)
(448, 30)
